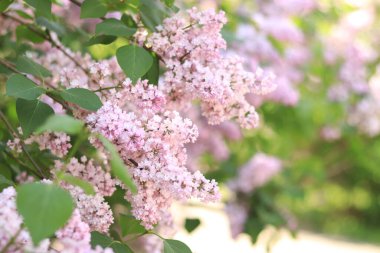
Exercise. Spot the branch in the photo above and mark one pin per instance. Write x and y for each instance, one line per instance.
(15, 135)
(48, 38)
(11, 67)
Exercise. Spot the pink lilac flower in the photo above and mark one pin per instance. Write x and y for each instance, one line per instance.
(90, 172)
(191, 49)
(257, 172)
(93, 209)
(156, 142)
(57, 143)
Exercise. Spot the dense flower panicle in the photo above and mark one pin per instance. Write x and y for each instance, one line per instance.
(156, 142)
(87, 170)
(259, 170)
(57, 143)
(280, 87)
(93, 209)
(191, 49)
(344, 46)
(75, 237)
(145, 97)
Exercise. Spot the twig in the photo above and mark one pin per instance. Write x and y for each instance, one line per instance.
(16, 135)
(10, 66)
(48, 38)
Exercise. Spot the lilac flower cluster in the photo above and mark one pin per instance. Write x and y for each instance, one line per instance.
(156, 143)
(259, 170)
(58, 143)
(196, 68)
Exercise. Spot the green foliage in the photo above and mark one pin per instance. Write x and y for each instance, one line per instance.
(84, 98)
(4, 4)
(19, 86)
(104, 241)
(154, 12)
(101, 39)
(93, 9)
(153, 73)
(51, 25)
(114, 27)
(5, 181)
(61, 123)
(129, 225)
(28, 66)
(23, 33)
(32, 114)
(84, 185)
(191, 224)
(44, 207)
(174, 246)
(134, 60)
(117, 165)
(168, 3)
(43, 8)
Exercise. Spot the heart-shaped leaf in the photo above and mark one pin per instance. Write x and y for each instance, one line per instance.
(44, 207)
(134, 60)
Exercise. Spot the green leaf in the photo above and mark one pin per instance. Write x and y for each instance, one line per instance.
(44, 207)
(191, 224)
(24, 33)
(23, 14)
(99, 239)
(129, 225)
(114, 27)
(134, 60)
(101, 39)
(174, 246)
(4, 4)
(84, 185)
(119, 247)
(84, 98)
(26, 65)
(154, 12)
(117, 165)
(5, 181)
(43, 8)
(128, 21)
(153, 73)
(61, 123)
(51, 25)
(106, 242)
(21, 87)
(253, 227)
(93, 9)
(32, 114)
(121, 6)
(168, 3)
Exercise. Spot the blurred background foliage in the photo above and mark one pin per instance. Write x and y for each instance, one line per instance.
(330, 187)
